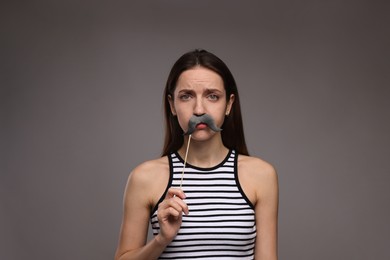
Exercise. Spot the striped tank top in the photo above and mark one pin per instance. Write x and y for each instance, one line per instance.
(221, 219)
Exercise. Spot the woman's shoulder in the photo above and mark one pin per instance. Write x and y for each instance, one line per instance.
(146, 182)
(256, 167)
(151, 165)
(150, 170)
(258, 178)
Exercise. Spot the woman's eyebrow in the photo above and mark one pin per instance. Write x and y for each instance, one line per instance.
(186, 90)
(209, 90)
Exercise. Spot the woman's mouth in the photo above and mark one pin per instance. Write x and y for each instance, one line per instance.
(201, 126)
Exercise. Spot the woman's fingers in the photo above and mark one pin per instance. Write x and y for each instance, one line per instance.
(174, 202)
(172, 192)
(169, 213)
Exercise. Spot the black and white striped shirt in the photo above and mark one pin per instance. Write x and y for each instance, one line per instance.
(221, 219)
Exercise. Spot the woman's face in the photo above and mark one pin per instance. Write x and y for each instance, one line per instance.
(200, 91)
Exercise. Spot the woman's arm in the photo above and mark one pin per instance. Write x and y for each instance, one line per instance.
(143, 188)
(260, 183)
(134, 228)
(266, 209)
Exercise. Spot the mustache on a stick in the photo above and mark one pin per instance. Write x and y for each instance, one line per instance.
(205, 119)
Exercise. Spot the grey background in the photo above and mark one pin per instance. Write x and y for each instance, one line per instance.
(81, 105)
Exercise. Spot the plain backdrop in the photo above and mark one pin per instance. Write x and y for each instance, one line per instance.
(81, 86)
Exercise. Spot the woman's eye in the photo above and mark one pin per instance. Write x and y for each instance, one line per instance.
(213, 97)
(184, 97)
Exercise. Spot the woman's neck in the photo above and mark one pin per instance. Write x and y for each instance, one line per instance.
(204, 154)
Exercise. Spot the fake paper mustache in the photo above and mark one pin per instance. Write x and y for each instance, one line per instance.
(205, 119)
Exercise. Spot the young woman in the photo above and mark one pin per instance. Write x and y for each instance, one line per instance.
(212, 200)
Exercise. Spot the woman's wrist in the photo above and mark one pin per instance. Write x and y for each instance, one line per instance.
(161, 241)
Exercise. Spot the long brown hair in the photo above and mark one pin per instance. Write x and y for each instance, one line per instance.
(233, 132)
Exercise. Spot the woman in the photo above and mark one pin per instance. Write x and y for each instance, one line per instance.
(216, 203)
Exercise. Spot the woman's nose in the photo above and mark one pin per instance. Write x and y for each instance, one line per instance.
(199, 108)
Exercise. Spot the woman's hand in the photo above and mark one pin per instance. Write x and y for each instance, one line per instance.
(169, 215)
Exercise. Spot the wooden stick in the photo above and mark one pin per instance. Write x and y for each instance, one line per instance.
(185, 161)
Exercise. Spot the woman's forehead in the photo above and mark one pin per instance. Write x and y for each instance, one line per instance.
(199, 77)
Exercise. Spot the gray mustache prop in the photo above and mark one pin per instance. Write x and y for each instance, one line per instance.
(206, 119)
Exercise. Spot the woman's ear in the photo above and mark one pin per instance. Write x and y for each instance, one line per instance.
(170, 100)
(229, 104)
